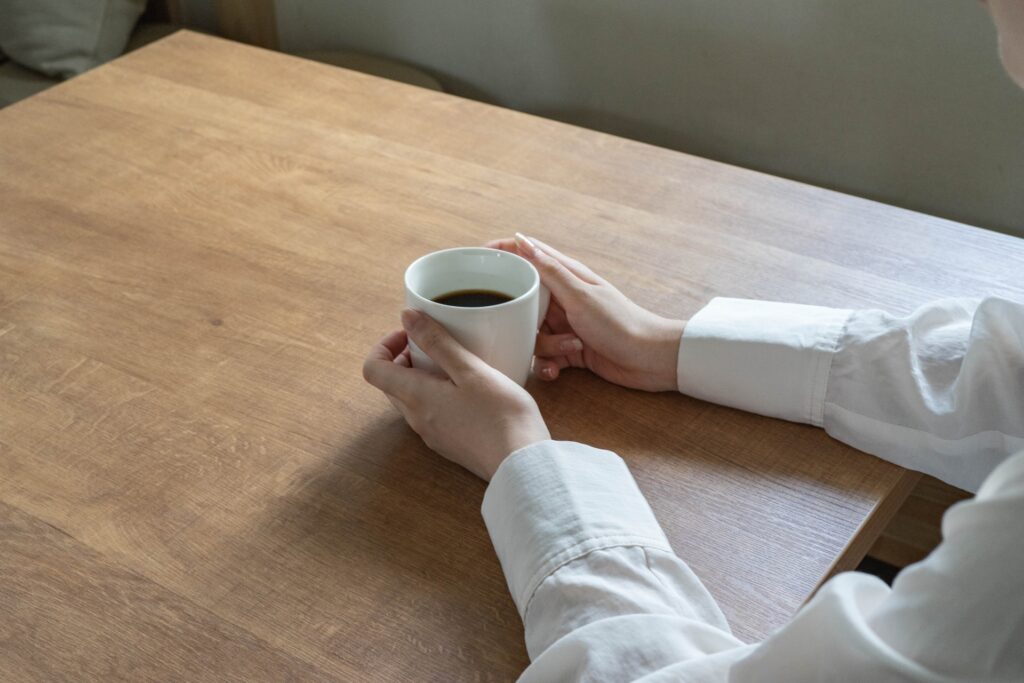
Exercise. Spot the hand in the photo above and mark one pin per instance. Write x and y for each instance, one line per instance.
(474, 417)
(590, 324)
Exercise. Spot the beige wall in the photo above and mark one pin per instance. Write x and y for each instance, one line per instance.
(898, 100)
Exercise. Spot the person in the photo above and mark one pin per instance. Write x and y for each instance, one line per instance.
(600, 592)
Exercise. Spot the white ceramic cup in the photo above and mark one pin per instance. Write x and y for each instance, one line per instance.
(503, 335)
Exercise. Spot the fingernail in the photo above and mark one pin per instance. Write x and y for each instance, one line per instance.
(571, 345)
(410, 318)
(526, 245)
(548, 372)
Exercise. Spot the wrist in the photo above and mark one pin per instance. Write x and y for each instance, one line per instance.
(516, 438)
(663, 344)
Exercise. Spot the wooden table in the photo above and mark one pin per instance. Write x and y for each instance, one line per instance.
(199, 242)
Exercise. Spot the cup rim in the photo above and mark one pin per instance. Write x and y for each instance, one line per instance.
(534, 286)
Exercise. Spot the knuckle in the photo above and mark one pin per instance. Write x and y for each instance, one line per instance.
(424, 423)
(484, 380)
(551, 266)
(432, 338)
(369, 372)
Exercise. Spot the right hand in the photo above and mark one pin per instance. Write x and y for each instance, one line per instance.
(474, 415)
(591, 324)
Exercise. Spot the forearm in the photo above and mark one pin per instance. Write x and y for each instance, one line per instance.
(941, 390)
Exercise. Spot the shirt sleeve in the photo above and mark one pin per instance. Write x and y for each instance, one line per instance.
(601, 593)
(603, 598)
(940, 390)
(955, 616)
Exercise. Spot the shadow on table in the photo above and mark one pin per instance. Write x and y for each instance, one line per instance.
(385, 543)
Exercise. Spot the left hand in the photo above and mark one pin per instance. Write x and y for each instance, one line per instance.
(475, 417)
(591, 324)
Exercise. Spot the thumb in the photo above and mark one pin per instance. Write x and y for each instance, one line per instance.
(562, 282)
(440, 346)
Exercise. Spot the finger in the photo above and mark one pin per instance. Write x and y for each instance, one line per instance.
(556, 319)
(546, 370)
(390, 346)
(505, 244)
(441, 347)
(381, 370)
(389, 377)
(549, 368)
(404, 358)
(577, 268)
(549, 345)
(564, 285)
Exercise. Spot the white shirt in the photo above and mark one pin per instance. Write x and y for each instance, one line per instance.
(604, 598)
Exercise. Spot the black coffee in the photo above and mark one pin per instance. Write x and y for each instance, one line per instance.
(472, 298)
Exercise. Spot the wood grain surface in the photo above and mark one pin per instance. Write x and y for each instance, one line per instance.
(916, 528)
(198, 244)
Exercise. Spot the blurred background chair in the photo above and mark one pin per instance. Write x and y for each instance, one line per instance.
(255, 22)
(44, 42)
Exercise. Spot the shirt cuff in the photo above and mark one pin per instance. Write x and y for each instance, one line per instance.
(763, 357)
(555, 501)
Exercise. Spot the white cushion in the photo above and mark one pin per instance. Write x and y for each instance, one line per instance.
(66, 37)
